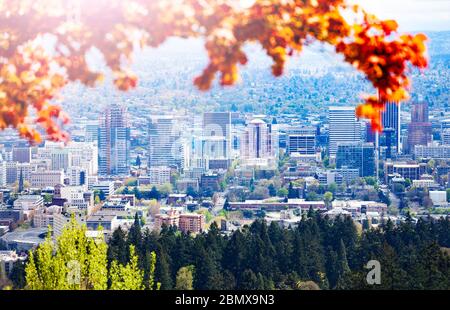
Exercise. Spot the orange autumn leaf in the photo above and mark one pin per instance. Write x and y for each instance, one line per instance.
(116, 27)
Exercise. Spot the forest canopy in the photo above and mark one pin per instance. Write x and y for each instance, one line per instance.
(31, 75)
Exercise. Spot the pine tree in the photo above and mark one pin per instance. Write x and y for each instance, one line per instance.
(118, 248)
(342, 269)
(135, 234)
(163, 271)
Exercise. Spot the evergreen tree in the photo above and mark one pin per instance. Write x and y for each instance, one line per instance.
(272, 190)
(135, 234)
(162, 271)
(249, 281)
(118, 248)
(292, 193)
(154, 193)
(17, 275)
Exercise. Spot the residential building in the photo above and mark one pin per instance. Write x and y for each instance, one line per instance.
(192, 223)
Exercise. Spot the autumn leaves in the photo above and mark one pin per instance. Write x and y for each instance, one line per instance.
(32, 78)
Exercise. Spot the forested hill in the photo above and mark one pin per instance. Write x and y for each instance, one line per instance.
(330, 253)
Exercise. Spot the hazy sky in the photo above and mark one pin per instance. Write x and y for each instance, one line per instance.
(412, 14)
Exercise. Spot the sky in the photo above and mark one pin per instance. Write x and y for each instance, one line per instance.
(412, 15)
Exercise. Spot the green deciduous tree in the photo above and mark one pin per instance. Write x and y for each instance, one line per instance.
(127, 277)
(185, 278)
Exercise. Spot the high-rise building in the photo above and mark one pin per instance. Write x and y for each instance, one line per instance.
(114, 142)
(258, 144)
(165, 147)
(343, 128)
(216, 129)
(390, 118)
(420, 129)
(301, 140)
(357, 156)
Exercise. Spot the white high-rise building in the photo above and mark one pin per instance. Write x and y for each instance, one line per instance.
(343, 128)
(259, 144)
(165, 145)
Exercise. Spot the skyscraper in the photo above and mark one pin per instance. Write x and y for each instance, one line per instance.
(217, 129)
(258, 144)
(114, 142)
(391, 127)
(165, 148)
(357, 155)
(343, 128)
(420, 129)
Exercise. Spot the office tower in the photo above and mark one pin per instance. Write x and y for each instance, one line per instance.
(420, 129)
(258, 144)
(218, 125)
(357, 155)
(114, 142)
(165, 147)
(21, 154)
(343, 128)
(391, 128)
(301, 140)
